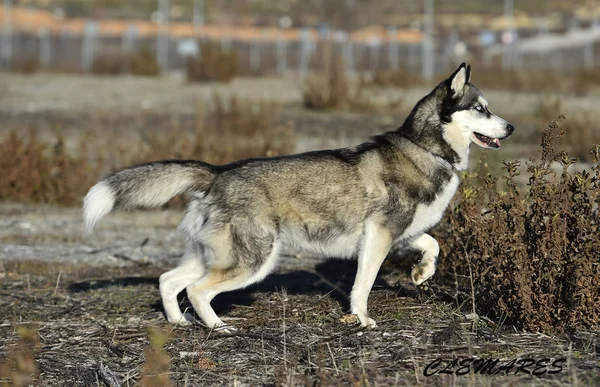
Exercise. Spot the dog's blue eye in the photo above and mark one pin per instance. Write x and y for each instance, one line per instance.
(479, 108)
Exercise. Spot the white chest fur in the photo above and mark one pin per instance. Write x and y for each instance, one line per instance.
(427, 215)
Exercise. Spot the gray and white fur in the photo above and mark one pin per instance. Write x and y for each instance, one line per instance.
(356, 201)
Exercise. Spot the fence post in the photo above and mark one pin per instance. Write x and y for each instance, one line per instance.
(507, 53)
(428, 54)
(162, 39)
(374, 46)
(394, 57)
(305, 50)
(281, 55)
(226, 43)
(45, 47)
(254, 55)
(129, 38)
(88, 46)
(588, 55)
(413, 57)
(198, 15)
(348, 52)
(6, 48)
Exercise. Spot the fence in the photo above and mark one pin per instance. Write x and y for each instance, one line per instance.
(269, 51)
(68, 51)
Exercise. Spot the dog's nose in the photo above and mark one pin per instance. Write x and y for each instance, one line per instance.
(510, 129)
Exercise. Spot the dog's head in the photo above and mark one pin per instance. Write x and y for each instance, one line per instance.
(466, 114)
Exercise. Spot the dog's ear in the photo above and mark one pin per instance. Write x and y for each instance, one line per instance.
(459, 79)
(468, 73)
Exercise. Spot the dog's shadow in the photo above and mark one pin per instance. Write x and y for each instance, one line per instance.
(333, 277)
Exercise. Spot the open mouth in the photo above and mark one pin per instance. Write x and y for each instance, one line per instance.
(485, 141)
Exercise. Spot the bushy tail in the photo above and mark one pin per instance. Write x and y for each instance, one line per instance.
(146, 185)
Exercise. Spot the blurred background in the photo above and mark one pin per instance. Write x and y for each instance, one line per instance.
(424, 37)
(90, 86)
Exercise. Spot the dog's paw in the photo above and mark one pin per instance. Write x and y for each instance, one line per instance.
(368, 322)
(422, 273)
(185, 320)
(224, 328)
(364, 321)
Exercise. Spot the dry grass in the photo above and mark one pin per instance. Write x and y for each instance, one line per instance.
(332, 89)
(142, 63)
(105, 324)
(155, 372)
(20, 367)
(35, 171)
(214, 64)
(581, 130)
(529, 258)
(45, 172)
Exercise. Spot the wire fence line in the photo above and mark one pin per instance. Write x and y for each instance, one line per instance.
(277, 50)
(78, 52)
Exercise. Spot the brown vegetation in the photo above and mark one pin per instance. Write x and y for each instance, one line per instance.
(529, 257)
(45, 172)
(213, 64)
(20, 368)
(156, 369)
(330, 89)
(142, 63)
(583, 132)
(35, 171)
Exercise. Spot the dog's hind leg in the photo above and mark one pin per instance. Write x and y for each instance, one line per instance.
(174, 281)
(376, 245)
(252, 263)
(425, 269)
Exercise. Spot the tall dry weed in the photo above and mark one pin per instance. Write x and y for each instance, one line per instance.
(155, 372)
(44, 171)
(213, 64)
(20, 368)
(530, 255)
(331, 89)
(37, 171)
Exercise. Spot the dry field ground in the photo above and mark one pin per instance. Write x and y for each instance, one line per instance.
(85, 310)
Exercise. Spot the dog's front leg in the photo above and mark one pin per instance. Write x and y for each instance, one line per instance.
(375, 247)
(430, 249)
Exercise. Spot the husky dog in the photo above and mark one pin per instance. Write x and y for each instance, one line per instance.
(356, 201)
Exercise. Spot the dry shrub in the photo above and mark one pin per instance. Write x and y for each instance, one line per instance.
(330, 89)
(108, 64)
(233, 130)
(155, 372)
(46, 172)
(530, 257)
(213, 64)
(27, 66)
(583, 131)
(36, 171)
(142, 63)
(20, 368)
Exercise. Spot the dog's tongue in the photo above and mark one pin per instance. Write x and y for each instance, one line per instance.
(497, 142)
